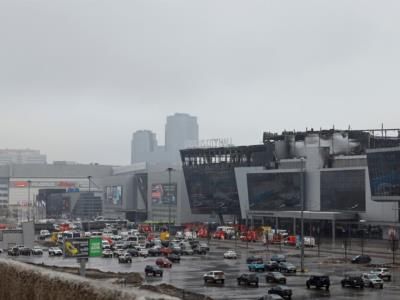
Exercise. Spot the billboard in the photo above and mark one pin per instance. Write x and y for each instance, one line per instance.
(113, 195)
(78, 247)
(163, 194)
(95, 246)
(82, 247)
(274, 191)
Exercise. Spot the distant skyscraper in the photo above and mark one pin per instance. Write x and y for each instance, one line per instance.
(181, 131)
(21, 156)
(144, 142)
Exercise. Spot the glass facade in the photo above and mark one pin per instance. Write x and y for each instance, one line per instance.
(212, 190)
(274, 191)
(384, 173)
(343, 190)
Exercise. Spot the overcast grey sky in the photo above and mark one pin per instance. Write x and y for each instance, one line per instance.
(78, 77)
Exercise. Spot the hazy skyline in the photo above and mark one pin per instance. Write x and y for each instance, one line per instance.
(77, 78)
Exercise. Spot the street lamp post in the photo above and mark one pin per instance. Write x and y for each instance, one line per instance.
(302, 216)
(30, 205)
(169, 196)
(362, 236)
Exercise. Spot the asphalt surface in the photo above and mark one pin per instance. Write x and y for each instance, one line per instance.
(188, 273)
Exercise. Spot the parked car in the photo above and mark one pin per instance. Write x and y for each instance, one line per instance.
(55, 251)
(163, 262)
(278, 258)
(187, 251)
(271, 266)
(256, 267)
(36, 250)
(286, 267)
(118, 252)
(25, 251)
(372, 280)
(143, 252)
(133, 252)
(165, 250)
(318, 281)
(107, 253)
(44, 234)
(382, 273)
(352, 280)
(175, 258)
(248, 279)
(155, 251)
(153, 270)
(252, 259)
(361, 259)
(282, 291)
(14, 251)
(276, 277)
(199, 250)
(214, 276)
(204, 246)
(230, 254)
(125, 258)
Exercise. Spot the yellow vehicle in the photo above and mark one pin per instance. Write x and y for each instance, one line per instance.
(164, 236)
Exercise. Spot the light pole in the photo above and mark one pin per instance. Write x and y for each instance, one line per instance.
(29, 200)
(89, 179)
(169, 196)
(302, 216)
(362, 236)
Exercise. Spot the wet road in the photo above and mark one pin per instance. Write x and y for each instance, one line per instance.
(188, 274)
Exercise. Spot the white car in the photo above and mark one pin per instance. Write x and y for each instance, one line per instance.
(382, 273)
(230, 254)
(44, 234)
(372, 280)
(55, 251)
(143, 252)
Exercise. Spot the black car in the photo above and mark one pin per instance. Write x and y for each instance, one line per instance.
(286, 267)
(318, 281)
(271, 266)
(25, 251)
(352, 280)
(275, 277)
(254, 259)
(248, 279)
(174, 257)
(14, 251)
(154, 251)
(153, 270)
(282, 291)
(133, 252)
(278, 258)
(361, 259)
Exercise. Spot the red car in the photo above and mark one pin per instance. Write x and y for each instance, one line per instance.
(163, 262)
(165, 251)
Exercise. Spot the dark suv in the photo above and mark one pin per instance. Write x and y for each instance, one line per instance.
(352, 280)
(319, 281)
(361, 259)
(153, 270)
(248, 279)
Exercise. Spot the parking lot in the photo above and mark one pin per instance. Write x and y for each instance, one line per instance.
(188, 273)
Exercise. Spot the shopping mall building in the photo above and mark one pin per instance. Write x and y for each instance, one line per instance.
(345, 182)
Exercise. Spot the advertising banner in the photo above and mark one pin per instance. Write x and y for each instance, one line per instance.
(114, 195)
(75, 248)
(95, 246)
(163, 194)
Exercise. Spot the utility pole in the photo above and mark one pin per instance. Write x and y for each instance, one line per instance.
(302, 216)
(30, 205)
(169, 196)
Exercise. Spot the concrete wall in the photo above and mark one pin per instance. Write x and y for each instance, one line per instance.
(23, 282)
